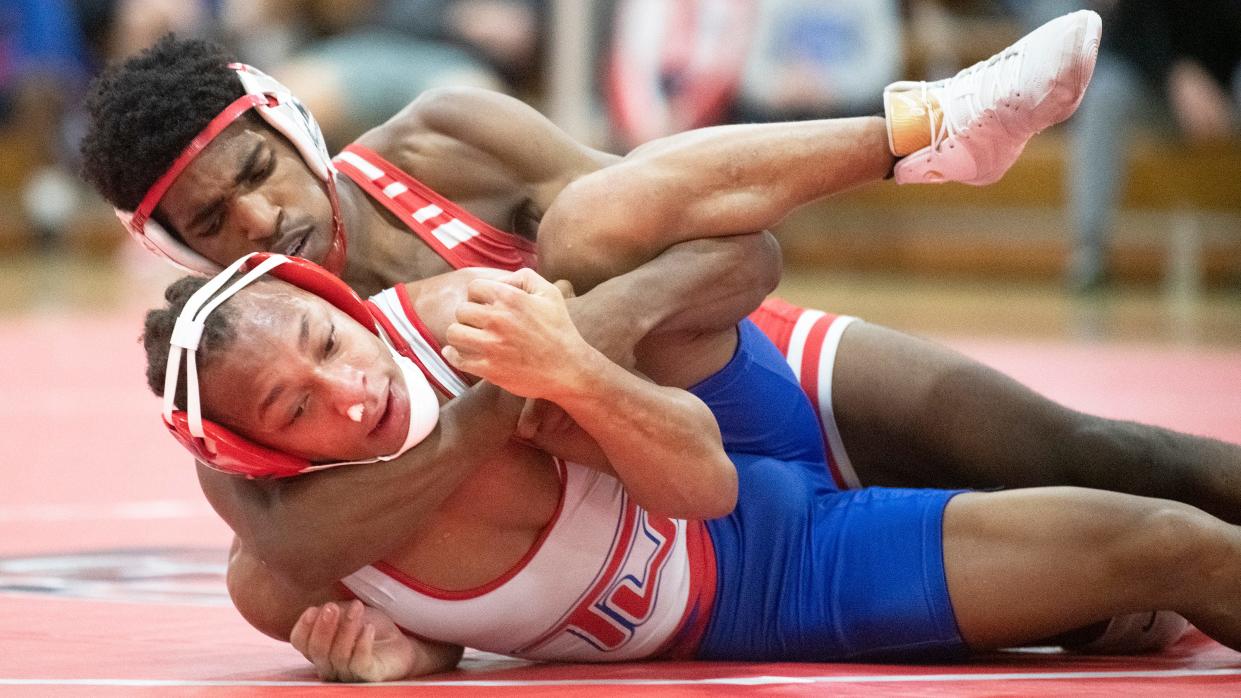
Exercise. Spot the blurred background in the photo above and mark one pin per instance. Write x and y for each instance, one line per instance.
(1123, 224)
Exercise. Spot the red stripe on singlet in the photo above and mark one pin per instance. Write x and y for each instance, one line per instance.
(491, 247)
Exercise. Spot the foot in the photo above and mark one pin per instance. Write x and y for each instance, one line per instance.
(1136, 633)
(980, 120)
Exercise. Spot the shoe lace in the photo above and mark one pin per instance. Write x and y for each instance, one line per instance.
(979, 93)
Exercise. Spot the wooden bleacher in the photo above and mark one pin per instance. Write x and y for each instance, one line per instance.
(1180, 221)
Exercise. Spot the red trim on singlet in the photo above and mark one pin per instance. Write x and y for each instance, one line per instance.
(403, 347)
(407, 305)
(466, 594)
(776, 318)
(491, 247)
(810, 360)
(683, 644)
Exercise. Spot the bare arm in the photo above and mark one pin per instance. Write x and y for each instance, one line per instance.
(345, 640)
(725, 180)
(315, 529)
(662, 442)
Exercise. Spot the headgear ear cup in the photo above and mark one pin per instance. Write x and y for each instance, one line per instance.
(224, 449)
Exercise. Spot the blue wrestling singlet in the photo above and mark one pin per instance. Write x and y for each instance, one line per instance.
(760, 406)
(804, 571)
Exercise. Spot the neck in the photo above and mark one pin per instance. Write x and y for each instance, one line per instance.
(359, 271)
(382, 252)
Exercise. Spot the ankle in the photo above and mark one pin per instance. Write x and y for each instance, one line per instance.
(909, 115)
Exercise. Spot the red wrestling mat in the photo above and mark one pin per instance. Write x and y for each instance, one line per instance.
(111, 563)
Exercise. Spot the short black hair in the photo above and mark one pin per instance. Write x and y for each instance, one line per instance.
(144, 112)
(219, 331)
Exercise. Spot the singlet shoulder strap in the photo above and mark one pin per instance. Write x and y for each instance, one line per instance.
(458, 236)
(395, 315)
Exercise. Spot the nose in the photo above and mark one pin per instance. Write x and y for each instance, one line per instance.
(257, 216)
(346, 387)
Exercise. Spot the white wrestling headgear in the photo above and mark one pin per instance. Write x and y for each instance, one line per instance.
(230, 452)
(283, 112)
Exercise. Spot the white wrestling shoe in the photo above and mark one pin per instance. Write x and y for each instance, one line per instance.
(991, 109)
(1137, 633)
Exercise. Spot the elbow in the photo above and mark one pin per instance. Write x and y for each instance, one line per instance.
(757, 263)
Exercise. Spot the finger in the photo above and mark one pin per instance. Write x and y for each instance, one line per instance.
(468, 340)
(488, 291)
(530, 419)
(321, 636)
(566, 288)
(346, 638)
(472, 363)
(364, 655)
(301, 630)
(475, 314)
(529, 281)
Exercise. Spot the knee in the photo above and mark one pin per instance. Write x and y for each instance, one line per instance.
(1171, 543)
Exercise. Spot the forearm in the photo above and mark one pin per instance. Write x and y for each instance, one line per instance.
(726, 180)
(663, 443)
(699, 285)
(315, 529)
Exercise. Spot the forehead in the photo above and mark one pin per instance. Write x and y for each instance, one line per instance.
(214, 169)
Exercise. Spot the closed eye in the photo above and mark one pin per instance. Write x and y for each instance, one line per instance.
(330, 345)
(299, 411)
(257, 175)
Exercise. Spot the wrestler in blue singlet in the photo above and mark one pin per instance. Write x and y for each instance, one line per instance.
(805, 571)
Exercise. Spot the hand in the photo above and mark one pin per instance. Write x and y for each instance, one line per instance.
(516, 332)
(353, 642)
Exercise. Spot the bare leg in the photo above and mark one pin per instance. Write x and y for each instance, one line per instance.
(915, 414)
(1028, 564)
(713, 182)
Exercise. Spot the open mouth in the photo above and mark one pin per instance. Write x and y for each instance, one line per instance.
(300, 238)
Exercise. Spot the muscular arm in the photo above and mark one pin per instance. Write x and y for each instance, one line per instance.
(662, 442)
(330, 639)
(317, 528)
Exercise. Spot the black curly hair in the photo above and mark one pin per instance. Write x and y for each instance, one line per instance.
(143, 113)
(219, 331)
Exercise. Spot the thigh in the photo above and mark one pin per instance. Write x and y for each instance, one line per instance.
(760, 406)
(1029, 564)
(911, 413)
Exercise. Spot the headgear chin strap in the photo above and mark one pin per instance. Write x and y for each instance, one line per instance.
(230, 452)
(283, 112)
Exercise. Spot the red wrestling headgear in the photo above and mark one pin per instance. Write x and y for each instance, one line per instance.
(225, 450)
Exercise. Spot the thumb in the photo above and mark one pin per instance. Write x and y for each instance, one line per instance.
(565, 287)
(529, 281)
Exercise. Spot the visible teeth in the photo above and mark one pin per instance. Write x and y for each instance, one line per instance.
(355, 412)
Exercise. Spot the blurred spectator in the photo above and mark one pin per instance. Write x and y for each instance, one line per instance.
(682, 64)
(49, 49)
(819, 58)
(1177, 61)
(45, 62)
(357, 63)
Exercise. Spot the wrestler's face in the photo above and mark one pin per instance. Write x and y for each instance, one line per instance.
(249, 191)
(295, 373)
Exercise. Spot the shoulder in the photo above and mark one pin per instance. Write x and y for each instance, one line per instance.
(459, 113)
